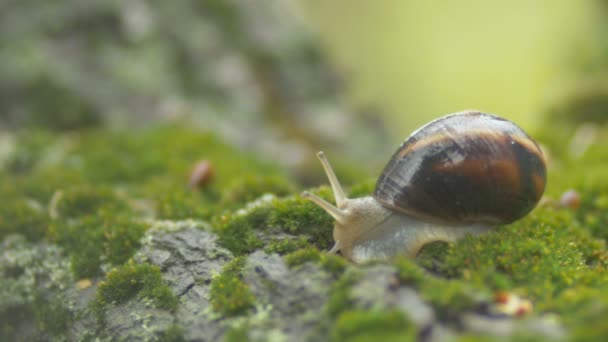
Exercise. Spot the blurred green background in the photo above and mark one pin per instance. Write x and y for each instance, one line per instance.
(418, 60)
(286, 78)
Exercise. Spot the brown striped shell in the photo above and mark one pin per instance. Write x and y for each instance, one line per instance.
(465, 167)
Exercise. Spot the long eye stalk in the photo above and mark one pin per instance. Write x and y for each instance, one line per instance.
(334, 211)
(333, 180)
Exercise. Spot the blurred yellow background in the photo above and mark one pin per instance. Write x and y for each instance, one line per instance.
(418, 60)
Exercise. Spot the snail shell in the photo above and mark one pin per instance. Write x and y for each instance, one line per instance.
(465, 167)
(461, 174)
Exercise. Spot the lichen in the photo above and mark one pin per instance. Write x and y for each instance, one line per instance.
(33, 301)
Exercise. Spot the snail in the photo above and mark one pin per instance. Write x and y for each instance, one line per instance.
(464, 173)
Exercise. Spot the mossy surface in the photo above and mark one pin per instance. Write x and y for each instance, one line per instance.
(368, 326)
(229, 294)
(130, 280)
(95, 193)
(240, 231)
(329, 262)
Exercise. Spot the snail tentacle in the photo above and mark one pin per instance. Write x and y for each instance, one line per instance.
(333, 180)
(336, 213)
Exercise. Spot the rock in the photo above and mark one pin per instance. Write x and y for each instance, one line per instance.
(188, 257)
(371, 290)
(374, 291)
(185, 252)
(293, 297)
(136, 320)
(409, 301)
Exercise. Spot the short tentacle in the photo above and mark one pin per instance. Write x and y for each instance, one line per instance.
(336, 213)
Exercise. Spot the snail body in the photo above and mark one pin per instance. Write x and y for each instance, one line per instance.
(461, 174)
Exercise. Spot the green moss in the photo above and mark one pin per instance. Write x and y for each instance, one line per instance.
(298, 216)
(330, 262)
(365, 188)
(373, 326)
(87, 200)
(450, 298)
(251, 186)
(302, 256)
(146, 157)
(236, 232)
(121, 239)
(181, 203)
(52, 317)
(93, 239)
(14, 320)
(229, 295)
(432, 254)
(22, 216)
(547, 257)
(539, 256)
(238, 333)
(83, 242)
(40, 317)
(174, 333)
(30, 148)
(130, 280)
(333, 263)
(340, 298)
(292, 215)
(285, 246)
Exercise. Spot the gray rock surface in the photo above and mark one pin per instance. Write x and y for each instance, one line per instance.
(294, 297)
(185, 252)
(188, 256)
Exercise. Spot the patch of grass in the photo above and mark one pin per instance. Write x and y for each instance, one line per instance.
(229, 295)
(130, 280)
(373, 326)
